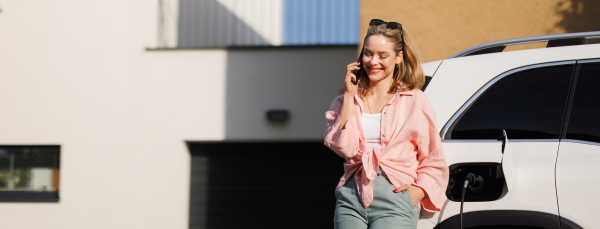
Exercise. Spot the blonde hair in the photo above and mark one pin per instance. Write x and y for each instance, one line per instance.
(408, 74)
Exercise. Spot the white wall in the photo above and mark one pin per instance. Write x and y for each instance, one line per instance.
(76, 74)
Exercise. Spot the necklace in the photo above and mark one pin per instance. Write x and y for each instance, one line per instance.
(369, 104)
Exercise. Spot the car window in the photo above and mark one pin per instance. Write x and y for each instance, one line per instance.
(427, 80)
(528, 105)
(584, 121)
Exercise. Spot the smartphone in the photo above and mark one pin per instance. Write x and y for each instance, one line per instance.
(358, 72)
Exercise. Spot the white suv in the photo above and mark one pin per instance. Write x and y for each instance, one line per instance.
(548, 102)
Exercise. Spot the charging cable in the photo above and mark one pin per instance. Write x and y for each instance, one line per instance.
(462, 200)
(474, 182)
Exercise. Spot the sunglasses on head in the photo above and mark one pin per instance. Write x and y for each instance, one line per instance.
(390, 25)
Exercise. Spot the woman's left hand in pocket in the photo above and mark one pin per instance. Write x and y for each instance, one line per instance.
(416, 193)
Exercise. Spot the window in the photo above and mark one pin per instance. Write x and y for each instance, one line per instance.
(584, 121)
(427, 80)
(29, 173)
(528, 105)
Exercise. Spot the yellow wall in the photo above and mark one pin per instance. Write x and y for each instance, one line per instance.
(440, 29)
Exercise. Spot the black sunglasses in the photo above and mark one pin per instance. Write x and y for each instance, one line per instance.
(390, 25)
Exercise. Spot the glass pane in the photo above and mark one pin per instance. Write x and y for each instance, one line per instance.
(27, 170)
(427, 80)
(528, 105)
(584, 122)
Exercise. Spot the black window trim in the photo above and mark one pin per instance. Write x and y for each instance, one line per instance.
(479, 92)
(573, 87)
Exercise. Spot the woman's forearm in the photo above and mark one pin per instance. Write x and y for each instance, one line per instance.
(347, 109)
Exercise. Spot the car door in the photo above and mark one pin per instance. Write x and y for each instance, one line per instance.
(528, 103)
(578, 162)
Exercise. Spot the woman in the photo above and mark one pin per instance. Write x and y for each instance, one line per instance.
(384, 127)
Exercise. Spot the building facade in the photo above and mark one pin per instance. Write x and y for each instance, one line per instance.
(169, 114)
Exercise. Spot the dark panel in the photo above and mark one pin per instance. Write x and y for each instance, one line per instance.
(528, 105)
(30, 156)
(584, 120)
(263, 185)
(28, 196)
(566, 42)
(488, 50)
(506, 219)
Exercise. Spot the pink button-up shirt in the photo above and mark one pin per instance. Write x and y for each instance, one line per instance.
(411, 149)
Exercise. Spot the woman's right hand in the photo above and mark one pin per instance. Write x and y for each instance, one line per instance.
(349, 93)
(351, 88)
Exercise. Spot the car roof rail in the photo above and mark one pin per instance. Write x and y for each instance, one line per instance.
(553, 40)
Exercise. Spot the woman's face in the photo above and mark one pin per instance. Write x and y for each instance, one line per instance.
(379, 58)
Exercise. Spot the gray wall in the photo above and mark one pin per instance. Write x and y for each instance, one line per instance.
(302, 80)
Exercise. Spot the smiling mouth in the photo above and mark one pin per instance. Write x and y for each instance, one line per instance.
(374, 70)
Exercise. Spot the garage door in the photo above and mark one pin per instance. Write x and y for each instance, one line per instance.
(263, 185)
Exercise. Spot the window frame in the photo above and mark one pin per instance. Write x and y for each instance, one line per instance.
(454, 119)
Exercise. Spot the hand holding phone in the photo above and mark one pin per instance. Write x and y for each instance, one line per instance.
(350, 81)
(358, 72)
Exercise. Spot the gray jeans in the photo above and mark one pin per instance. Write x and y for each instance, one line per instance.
(388, 209)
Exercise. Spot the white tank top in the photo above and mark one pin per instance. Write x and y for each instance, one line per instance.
(371, 124)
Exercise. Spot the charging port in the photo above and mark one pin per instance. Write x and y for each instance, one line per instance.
(488, 186)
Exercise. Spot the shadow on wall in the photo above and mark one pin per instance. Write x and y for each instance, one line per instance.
(578, 15)
(207, 23)
(303, 80)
